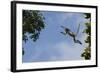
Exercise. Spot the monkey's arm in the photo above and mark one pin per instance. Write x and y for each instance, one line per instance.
(63, 33)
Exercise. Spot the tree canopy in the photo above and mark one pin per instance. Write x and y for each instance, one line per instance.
(87, 51)
(33, 23)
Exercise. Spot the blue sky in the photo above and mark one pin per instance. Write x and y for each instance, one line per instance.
(52, 45)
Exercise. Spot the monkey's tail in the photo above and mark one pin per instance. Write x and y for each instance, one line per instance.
(78, 30)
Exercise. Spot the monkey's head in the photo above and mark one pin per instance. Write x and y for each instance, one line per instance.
(67, 30)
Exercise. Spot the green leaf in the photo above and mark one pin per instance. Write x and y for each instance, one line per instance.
(33, 23)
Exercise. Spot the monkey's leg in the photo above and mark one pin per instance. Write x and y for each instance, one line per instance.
(74, 39)
(78, 42)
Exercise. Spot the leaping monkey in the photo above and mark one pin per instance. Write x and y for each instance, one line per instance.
(72, 34)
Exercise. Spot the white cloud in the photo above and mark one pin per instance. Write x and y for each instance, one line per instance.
(60, 51)
(64, 17)
(68, 52)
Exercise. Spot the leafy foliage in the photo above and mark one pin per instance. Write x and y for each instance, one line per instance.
(33, 23)
(87, 51)
(87, 15)
(23, 51)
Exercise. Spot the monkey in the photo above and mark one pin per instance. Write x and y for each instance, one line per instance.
(70, 33)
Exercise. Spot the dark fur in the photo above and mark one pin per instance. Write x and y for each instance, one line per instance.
(73, 35)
